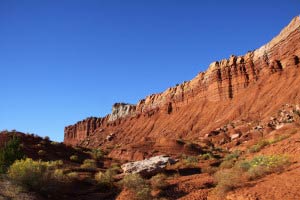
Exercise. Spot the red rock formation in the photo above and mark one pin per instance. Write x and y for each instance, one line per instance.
(241, 87)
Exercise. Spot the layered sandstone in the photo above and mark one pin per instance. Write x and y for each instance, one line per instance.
(240, 87)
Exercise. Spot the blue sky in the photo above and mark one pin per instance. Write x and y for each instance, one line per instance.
(64, 60)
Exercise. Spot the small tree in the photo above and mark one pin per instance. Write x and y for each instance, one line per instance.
(10, 152)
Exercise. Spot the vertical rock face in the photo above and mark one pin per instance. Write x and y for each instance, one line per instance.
(229, 89)
(82, 129)
(121, 110)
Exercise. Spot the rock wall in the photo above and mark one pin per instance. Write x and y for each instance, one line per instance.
(121, 110)
(229, 89)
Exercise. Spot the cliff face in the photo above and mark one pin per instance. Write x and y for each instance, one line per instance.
(121, 110)
(249, 86)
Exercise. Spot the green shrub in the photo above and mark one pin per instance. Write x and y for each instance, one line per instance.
(192, 159)
(207, 156)
(89, 164)
(43, 177)
(41, 153)
(28, 173)
(138, 185)
(52, 165)
(105, 179)
(262, 165)
(10, 152)
(159, 181)
(55, 143)
(72, 175)
(74, 158)
(230, 160)
(243, 171)
(261, 144)
(97, 154)
(233, 156)
(144, 193)
(187, 162)
(59, 175)
(116, 167)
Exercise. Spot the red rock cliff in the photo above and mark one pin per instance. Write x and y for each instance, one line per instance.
(252, 85)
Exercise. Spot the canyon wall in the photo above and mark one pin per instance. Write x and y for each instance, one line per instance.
(240, 87)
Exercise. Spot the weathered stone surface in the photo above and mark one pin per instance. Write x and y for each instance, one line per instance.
(148, 166)
(121, 110)
(234, 136)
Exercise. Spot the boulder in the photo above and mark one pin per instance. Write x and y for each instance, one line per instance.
(148, 167)
(234, 136)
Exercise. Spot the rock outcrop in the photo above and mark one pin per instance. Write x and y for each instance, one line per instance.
(121, 110)
(241, 87)
(149, 166)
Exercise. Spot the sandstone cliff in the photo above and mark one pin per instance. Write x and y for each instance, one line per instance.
(240, 87)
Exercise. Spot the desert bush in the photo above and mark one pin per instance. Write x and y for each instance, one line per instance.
(227, 164)
(159, 181)
(245, 170)
(55, 164)
(278, 139)
(138, 185)
(116, 168)
(227, 180)
(105, 179)
(10, 152)
(187, 161)
(97, 154)
(55, 143)
(72, 175)
(28, 173)
(262, 165)
(89, 164)
(43, 177)
(234, 155)
(74, 158)
(41, 153)
(192, 159)
(230, 159)
(257, 147)
(59, 175)
(261, 144)
(207, 156)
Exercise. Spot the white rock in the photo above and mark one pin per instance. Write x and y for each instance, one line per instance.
(149, 166)
(235, 136)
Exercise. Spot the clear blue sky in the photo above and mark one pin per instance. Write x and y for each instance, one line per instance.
(64, 60)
